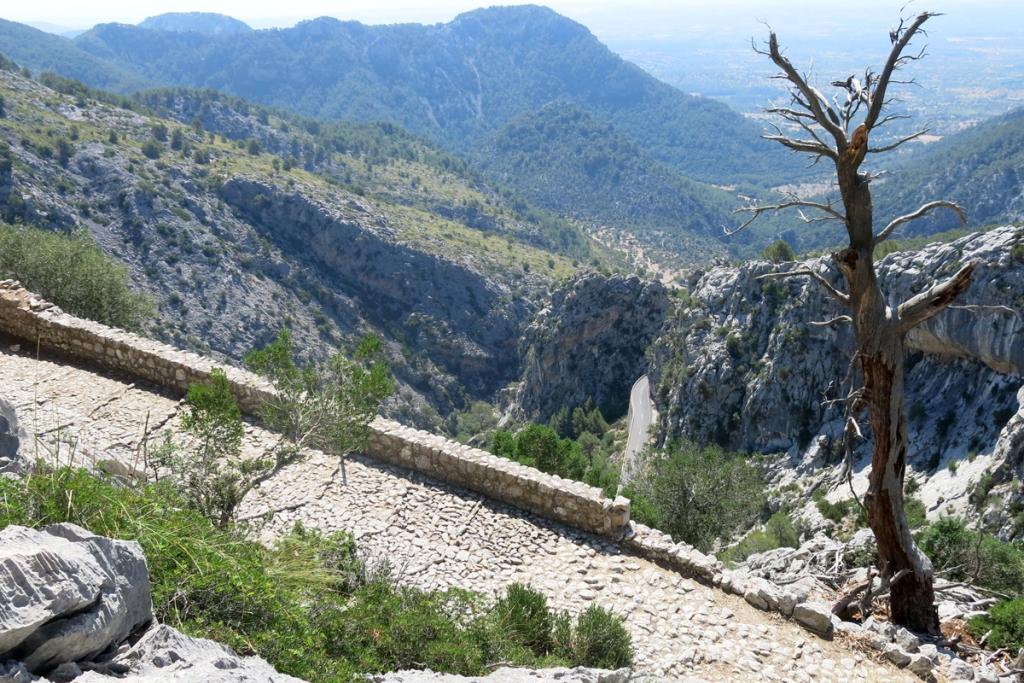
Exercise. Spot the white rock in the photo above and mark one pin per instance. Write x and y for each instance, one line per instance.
(959, 670)
(986, 674)
(69, 594)
(165, 655)
(814, 616)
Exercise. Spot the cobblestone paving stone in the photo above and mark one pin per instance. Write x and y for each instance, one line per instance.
(437, 536)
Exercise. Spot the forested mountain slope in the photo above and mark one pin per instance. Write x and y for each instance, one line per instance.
(203, 22)
(455, 82)
(982, 169)
(42, 51)
(567, 159)
(238, 223)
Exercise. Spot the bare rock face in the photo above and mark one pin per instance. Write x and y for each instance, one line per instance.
(589, 342)
(68, 594)
(11, 437)
(165, 655)
(740, 364)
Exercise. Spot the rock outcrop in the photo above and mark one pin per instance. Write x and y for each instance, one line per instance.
(165, 655)
(589, 342)
(740, 364)
(69, 594)
(11, 437)
(77, 606)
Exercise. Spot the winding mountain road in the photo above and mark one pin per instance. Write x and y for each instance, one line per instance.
(641, 415)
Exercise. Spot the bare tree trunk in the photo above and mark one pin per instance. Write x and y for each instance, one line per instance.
(879, 328)
(879, 333)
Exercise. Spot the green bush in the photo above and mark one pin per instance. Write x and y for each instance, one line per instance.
(780, 252)
(1005, 621)
(74, 273)
(915, 511)
(963, 554)
(328, 407)
(780, 529)
(834, 512)
(523, 614)
(1017, 253)
(209, 475)
(698, 494)
(539, 446)
(779, 532)
(599, 639)
(152, 149)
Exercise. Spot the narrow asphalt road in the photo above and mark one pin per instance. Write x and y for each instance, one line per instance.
(641, 414)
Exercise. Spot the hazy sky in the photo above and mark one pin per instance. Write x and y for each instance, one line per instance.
(608, 19)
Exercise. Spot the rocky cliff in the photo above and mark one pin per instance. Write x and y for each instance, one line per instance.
(588, 342)
(385, 237)
(740, 363)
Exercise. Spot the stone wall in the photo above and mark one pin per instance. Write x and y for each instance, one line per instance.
(26, 316)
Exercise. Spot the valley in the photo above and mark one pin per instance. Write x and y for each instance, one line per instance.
(537, 245)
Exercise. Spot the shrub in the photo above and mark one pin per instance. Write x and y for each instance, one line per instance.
(780, 529)
(209, 475)
(152, 149)
(599, 640)
(539, 446)
(523, 615)
(74, 273)
(1004, 623)
(834, 512)
(698, 494)
(159, 132)
(65, 150)
(1017, 253)
(916, 512)
(328, 407)
(963, 555)
(780, 252)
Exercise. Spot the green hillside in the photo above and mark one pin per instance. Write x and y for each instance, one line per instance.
(238, 220)
(454, 82)
(41, 51)
(566, 159)
(982, 169)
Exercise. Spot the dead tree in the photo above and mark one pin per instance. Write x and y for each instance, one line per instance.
(839, 130)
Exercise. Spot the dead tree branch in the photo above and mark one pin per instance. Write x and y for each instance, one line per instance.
(836, 294)
(922, 211)
(901, 36)
(933, 300)
(834, 321)
(828, 208)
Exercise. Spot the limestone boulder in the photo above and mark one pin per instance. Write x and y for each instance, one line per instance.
(165, 655)
(67, 595)
(814, 616)
(11, 438)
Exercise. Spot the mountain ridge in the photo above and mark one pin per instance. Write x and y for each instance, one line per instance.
(454, 82)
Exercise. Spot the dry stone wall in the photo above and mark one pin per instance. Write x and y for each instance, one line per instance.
(26, 316)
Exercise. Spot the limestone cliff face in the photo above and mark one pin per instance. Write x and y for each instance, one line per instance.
(589, 342)
(740, 364)
(463, 320)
